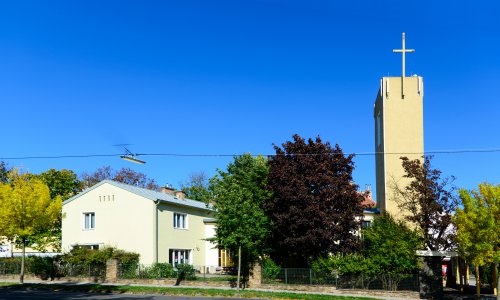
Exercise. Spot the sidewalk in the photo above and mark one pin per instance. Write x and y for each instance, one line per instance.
(375, 294)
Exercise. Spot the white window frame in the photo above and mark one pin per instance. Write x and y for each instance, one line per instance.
(91, 224)
(180, 221)
(178, 256)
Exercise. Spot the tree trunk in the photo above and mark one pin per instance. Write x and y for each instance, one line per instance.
(461, 274)
(21, 276)
(478, 283)
(239, 268)
(498, 280)
(494, 278)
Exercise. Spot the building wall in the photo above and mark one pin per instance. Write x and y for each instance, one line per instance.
(211, 250)
(122, 219)
(191, 238)
(399, 131)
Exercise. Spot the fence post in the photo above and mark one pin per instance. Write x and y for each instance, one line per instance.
(112, 269)
(310, 276)
(255, 279)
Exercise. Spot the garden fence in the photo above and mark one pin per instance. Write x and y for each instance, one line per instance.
(390, 282)
(167, 271)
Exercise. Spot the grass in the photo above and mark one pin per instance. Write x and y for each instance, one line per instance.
(119, 289)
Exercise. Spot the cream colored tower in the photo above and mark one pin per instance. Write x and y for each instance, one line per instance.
(399, 131)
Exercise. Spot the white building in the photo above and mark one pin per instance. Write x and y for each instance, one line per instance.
(160, 226)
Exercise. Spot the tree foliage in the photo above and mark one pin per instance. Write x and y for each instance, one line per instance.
(239, 196)
(27, 211)
(428, 202)
(63, 183)
(197, 187)
(388, 248)
(124, 175)
(392, 245)
(4, 172)
(478, 225)
(315, 202)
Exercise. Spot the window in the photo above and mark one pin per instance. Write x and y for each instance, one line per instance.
(366, 224)
(89, 220)
(180, 221)
(379, 129)
(89, 246)
(179, 256)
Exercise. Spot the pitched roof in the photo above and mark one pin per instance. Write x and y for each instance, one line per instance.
(149, 194)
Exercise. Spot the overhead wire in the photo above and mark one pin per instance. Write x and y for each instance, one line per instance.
(457, 151)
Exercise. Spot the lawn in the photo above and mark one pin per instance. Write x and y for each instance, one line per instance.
(119, 289)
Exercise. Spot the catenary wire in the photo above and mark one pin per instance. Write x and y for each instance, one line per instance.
(459, 151)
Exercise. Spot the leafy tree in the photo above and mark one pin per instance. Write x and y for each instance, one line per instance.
(91, 179)
(478, 227)
(428, 203)
(4, 172)
(315, 202)
(124, 175)
(26, 211)
(239, 196)
(392, 245)
(196, 187)
(63, 183)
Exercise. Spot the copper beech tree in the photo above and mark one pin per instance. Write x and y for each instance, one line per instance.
(124, 175)
(315, 204)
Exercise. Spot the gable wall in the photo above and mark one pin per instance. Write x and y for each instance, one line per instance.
(124, 221)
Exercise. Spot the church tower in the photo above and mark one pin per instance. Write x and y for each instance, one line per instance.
(399, 131)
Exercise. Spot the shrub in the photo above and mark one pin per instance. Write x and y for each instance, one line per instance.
(87, 256)
(185, 271)
(42, 267)
(270, 270)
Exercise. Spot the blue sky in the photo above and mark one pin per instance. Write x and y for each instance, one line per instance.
(228, 77)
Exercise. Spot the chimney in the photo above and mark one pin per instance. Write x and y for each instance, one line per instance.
(167, 189)
(368, 188)
(180, 194)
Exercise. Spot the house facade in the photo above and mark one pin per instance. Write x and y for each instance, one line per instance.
(162, 226)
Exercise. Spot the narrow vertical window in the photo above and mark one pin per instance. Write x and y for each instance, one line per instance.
(379, 130)
(180, 221)
(89, 220)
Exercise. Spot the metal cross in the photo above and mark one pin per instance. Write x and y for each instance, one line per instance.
(403, 50)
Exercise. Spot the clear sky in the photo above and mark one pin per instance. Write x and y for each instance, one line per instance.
(228, 77)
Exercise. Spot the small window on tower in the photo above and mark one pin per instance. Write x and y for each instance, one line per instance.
(379, 130)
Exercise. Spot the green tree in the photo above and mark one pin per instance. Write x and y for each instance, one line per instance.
(315, 205)
(197, 187)
(392, 245)
(478, 227)
(63, 183)
(4, 172)
(26, 211)
(239, 196)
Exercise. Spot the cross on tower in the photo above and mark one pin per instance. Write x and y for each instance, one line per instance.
(403, 51)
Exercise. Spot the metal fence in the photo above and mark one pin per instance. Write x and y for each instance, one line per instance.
(13, 267)
(390, 282)
(167, 271)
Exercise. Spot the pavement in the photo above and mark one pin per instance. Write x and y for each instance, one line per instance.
(376, 294)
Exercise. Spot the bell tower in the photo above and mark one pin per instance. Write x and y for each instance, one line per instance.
(399, 131)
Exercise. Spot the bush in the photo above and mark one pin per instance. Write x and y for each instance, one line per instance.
(87, 256)
(42, 267)
(185, 271)
(270, 270)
